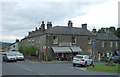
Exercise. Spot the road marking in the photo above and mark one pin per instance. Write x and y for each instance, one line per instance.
(40, 74)
(74, 68)
(27, 69)
(82, 68)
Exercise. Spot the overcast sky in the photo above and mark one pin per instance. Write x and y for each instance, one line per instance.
(18, 18)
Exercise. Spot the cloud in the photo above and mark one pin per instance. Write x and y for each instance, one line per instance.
(18, 18)
(100, 15)
(9, 38)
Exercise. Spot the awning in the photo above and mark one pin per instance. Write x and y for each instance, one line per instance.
(61, 49)
(66, 49)
(76, 49)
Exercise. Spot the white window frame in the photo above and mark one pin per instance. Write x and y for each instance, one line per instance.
(116, 44)
(55, 41)
(111, 43)
(74, 40)
(103, 43)
(89, 41)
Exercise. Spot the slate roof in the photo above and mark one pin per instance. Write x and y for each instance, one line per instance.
(68, 30)
(37, 33)
(103, 36)
(62, 30)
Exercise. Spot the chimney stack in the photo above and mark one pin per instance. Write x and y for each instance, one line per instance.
(49, 25)
(70, 24)
(42, 27)
(94, 30)
(84, 26)
(29, 33)
(36, 29)
(17, 40)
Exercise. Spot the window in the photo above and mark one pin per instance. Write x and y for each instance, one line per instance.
(116, 44)
(103, 43)
(89, 41)
(74, 40)
(111, 44)
(55, 40)
(13, 46)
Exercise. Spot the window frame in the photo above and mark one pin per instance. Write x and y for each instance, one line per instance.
(55, 40)
(111, 43)
(74, 40)
(103, 43)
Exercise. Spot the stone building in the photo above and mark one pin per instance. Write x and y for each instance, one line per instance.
(105, 45)
(61, 41)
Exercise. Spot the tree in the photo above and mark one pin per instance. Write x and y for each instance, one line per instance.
(29, 49)
(110, 30)
(117, 32)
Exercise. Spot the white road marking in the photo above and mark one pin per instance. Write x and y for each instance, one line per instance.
(40, 74)
(82, 68)
(27, 69)
(77, 68)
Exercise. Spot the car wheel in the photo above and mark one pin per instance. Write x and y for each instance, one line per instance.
(74, 65)
(85, 64)
(91, 63)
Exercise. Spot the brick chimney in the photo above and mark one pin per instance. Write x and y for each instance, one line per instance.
(84, 26)
(49, 25)
(70, 24)
(42, 27)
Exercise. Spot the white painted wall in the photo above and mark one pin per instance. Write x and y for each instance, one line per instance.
(14, 46)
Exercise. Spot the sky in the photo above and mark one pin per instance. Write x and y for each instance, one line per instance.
(17, 18)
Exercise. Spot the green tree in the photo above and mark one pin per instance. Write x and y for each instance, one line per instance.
(20, 48)
(117, 32)
(29, 49)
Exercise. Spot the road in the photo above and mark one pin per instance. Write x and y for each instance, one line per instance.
(30, 68)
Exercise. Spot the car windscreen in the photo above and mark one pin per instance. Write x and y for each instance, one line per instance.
(19, 54)
(10, 54)
(78, 57)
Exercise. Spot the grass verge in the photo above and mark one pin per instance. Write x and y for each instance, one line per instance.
(105, 68)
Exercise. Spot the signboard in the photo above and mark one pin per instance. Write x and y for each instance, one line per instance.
(65, 44)
(44, 47)
(93, 43)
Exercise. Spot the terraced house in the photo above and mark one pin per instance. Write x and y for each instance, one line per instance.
(61, 41)
(64, 42)
(106, 45)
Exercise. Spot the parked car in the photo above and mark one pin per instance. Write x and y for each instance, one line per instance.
(82, 60)
(19, 56)
(9, 57)
(115, 59)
